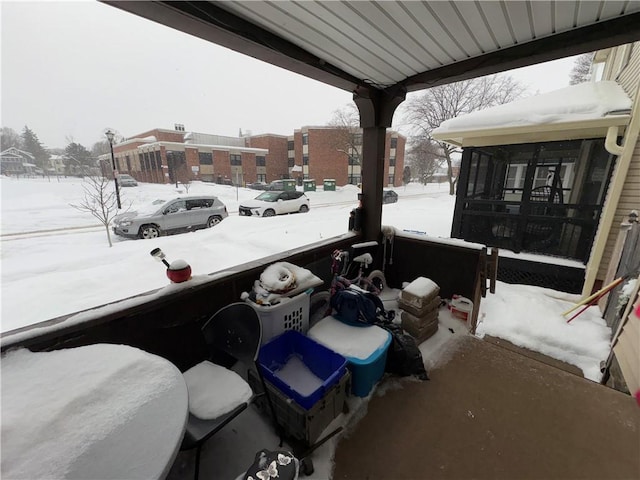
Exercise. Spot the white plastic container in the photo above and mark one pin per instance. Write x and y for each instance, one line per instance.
(460, 307)
(289, 314)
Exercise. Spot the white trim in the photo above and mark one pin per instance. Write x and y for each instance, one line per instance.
(593, 128)
(224, 148)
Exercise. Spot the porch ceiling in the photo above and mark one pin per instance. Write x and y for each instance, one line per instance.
(407, 44)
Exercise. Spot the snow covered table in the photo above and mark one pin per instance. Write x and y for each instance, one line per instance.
(95, 412)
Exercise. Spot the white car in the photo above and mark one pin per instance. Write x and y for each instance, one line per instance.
(269, 203)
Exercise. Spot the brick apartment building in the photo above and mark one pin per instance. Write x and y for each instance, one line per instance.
(329, 152)
(169, 156)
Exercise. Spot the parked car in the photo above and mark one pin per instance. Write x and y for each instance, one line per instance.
(257, 186)
(181, 214)
(276, 186)
(125, 180)
(389, 196)
(268, 204)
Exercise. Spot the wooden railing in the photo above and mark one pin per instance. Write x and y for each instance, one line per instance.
(167, 323)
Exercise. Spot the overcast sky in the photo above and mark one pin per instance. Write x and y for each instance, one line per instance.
(72, 69)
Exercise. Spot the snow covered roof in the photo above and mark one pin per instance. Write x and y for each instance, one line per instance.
(13, 151)
(177, 146)
(585, 110)
(147, 139)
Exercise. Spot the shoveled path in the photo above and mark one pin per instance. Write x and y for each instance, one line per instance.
(491, 413)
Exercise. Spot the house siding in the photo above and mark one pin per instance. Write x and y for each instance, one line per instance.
(630, 73)
(623, 66)
(627, 74)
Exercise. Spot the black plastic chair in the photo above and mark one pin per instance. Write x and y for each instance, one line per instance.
(233, 332)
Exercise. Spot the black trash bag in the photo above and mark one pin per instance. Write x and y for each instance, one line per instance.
(403, 356)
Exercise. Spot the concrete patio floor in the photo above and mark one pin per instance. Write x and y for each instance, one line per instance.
(493, 413)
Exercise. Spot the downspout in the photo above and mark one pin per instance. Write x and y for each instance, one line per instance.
(624, 153)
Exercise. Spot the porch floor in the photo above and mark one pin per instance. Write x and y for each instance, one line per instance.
(489, 412)
(492, 413)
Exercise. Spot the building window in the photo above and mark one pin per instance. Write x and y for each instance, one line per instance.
(206, 158)
(353, 160)
(158, 160)
(392, 179)
(392, 161)
(305, 159)
(292, 162)
(235, 159)
(261, 161)
(305, 139)
(290, 145)
(394, 142)
(357, 139)
(261, 177)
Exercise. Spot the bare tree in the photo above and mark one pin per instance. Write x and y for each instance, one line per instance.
(99, 200)
(183, 176)
(406, 175)
(348, 135)
(10, 138)
(425, 158)
(425, 112)
(100, 148)
(581, 71)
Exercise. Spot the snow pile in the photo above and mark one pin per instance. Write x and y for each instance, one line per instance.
(55, 405)
(585, 101)
(214, 390)
(531, 317)
(348, 341)
(299, 377)
(422, 287)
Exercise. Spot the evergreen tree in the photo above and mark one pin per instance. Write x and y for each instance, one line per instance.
(77, 159)
(32, 145)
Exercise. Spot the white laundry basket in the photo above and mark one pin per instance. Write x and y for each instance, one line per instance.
(290, 314)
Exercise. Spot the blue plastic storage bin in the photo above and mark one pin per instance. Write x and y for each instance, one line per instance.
(366, 373)
(324, 363)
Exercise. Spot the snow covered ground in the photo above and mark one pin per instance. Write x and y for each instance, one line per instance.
(56, 260)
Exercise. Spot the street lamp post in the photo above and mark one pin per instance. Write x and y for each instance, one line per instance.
(110, 134)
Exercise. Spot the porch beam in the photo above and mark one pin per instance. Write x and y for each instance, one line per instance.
(210, 22)
(376, 109)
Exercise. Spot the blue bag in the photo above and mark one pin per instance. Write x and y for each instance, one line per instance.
(357, 308)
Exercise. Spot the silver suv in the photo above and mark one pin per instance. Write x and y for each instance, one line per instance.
(182, 214)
